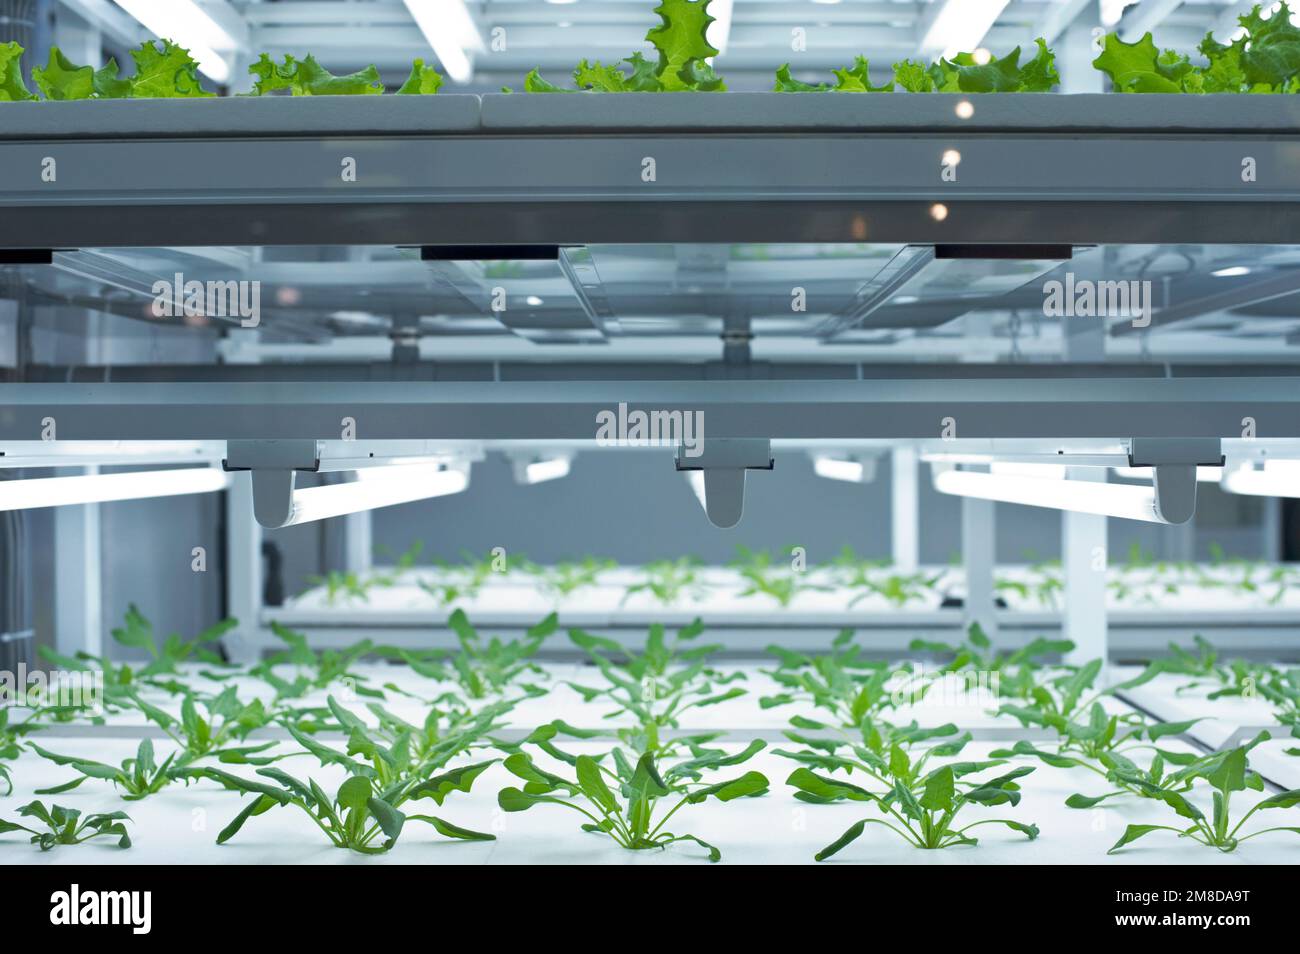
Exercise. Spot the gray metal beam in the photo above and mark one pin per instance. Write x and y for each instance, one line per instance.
(816, 410)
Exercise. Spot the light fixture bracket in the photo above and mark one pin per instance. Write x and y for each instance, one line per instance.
(723, 463)
(1173, 462)
(272, 465)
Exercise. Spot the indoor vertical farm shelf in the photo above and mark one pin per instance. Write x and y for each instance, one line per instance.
(485, 439)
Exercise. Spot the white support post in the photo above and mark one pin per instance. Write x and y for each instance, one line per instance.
(905, 508)
(1083, 548)
(1076, 52)
(79, 609)
(979, 556)
(243, 570)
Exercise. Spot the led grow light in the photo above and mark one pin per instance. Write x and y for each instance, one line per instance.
(39, 492)
(855, 470)
(376, 487)
(1077, 496)
(1277, 478)
(186, 23)
(552, 468)
(1206, 475)
(450, 30)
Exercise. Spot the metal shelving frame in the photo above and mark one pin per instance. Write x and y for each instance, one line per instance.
(1032, 172)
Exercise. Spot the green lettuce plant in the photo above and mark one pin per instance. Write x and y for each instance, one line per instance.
(569, 576)
(1262, 58)
(137, 777)
(1017, 671)
(669, 582)
(840, 682)
(657, 685)
(65, 826)
(388, 767)
(625, 801)
(1225, 773)
(964, 73)
(488, 668)
(778, 580)
(313, 670)
(920, 807)
(683, 63)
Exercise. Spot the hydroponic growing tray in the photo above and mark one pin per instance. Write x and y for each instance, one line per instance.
(557, 169)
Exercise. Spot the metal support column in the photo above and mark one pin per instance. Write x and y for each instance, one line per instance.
(78, 612)
(905, 508)
(243, 571)
(1084, 555)
(978, 554)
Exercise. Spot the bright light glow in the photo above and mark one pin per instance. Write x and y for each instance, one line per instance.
(1232, 271)
(450, 30)
(552, 468)
(982, 56)
(376, 487)
(1277, 478)
(1077, 496)
(838, 468)
(960, 25)
(185, 22)
(561, 2)
(533, 300)
(951, 157)
(719, 31)
(101, 488)
(827, 2)
(938, 211)
(965, 110)
(1041, 471)
(1206, 475)
(1112, 11)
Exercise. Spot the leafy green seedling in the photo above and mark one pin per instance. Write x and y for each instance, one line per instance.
(569, 576)
(840, 682)
(11, 736)
(211, 727)
(389, 765)
(137, 777)
(315, 670)
(487, 668)
(624, 801)
(65, 826)
(778, 580)
(669, 581)
(657, 685)
(921, 807)
(1015, 671)
(1225, 773)
(357, 815)
(684, 63)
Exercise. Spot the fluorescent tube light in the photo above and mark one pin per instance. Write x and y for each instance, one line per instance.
(186, 23)
(1232, 271)
(450, 30)
(960, 25)
(1206, 475)
(549, 469)
(376, 487)
(39, 492)
(844, 468)
(1278, 478)
(1077, 496)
